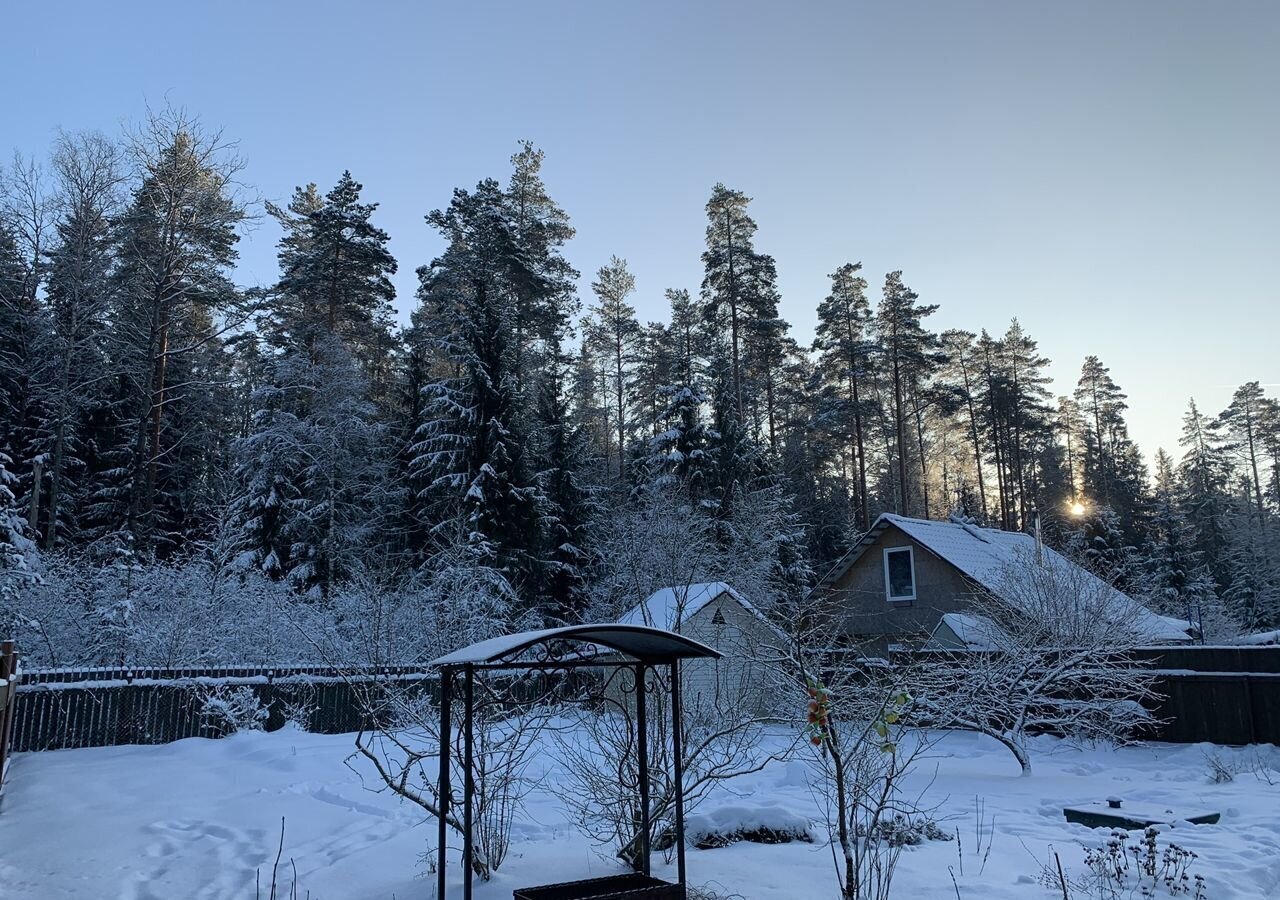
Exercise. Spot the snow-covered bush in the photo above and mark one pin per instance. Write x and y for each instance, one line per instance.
(229, 709)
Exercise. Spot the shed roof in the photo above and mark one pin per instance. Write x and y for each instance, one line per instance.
(670, 607)
(650, 645)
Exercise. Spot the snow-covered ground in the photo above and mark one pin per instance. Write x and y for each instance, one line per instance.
(196, 818)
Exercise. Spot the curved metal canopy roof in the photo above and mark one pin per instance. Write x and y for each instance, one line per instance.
(649, 645)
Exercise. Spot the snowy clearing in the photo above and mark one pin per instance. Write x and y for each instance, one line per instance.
(195, 818)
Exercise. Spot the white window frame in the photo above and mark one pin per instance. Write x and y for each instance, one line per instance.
(888, 587)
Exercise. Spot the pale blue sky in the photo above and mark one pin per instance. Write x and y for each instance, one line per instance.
(1105, 171)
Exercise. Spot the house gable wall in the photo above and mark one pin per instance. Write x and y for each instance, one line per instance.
(858, 595)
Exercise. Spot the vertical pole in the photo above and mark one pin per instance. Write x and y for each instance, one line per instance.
(642, 753)
(677, 756)
(468, 783)
(33, 514)
(443, 789)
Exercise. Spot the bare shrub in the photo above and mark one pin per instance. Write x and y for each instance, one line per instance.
(598, 750)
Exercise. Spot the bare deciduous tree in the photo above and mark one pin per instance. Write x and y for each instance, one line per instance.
(1051, 652)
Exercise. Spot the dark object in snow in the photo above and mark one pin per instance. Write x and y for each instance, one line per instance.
(1134, 817)
(711, 840)
(631, 886)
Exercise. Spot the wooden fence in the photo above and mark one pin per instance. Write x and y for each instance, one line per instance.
(1222, 695)
(1225, 695)
(60, 709)
(8, 704)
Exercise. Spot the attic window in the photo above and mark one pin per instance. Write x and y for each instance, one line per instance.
(718, 617)
(899, 574)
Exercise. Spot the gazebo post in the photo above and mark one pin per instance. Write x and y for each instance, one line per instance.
(677, 763)
(468, 783)
(642, 751)
(443, 788)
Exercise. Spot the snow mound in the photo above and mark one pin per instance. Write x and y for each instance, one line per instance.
(766, 824)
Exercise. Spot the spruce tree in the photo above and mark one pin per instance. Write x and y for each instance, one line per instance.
(567, 504)
(470, 464)
(79, 298)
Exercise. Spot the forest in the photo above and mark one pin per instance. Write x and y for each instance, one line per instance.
(187, 464)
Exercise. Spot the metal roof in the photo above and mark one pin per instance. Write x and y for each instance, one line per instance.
(650, 645)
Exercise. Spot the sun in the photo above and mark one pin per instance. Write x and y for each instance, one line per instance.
(1077, 509)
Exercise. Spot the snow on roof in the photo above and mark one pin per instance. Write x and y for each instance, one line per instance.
(984, 555)
(975, 632)
(669, 607)
(635, 640)
(1260, 639)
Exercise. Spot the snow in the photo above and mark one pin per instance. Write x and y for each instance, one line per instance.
(635, 639)
(673, 606)
(1260, 639)
(195, 818)
(975, 632)
(739, 818)
(985, 555)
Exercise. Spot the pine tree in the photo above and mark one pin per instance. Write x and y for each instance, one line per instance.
(16, 552)
(1175, 577)
(1113, 472)
(25, 370)
(614, 337)
(173, 301)
(910, 357)
(1241, 423)
(845, 356)
(567, 502)
(737, 287)
(546, 299)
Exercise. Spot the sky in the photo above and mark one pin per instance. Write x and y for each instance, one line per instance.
(1106, 172)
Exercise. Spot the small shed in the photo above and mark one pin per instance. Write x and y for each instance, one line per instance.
(716, 614)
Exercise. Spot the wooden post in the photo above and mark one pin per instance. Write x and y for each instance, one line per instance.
(8, 698)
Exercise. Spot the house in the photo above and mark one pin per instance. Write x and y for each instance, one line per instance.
(717, 615)
(908, 580)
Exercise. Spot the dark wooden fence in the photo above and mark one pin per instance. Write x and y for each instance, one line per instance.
(1223, 695)
(1227, 695)
(57, 709)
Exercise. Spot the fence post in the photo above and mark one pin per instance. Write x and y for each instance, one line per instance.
(8, 696)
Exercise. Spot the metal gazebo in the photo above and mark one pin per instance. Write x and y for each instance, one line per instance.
(635, 647)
